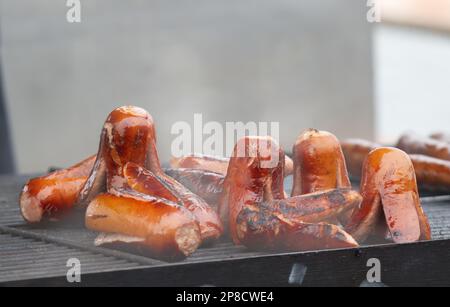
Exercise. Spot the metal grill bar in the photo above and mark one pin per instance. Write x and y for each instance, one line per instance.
(81, 246)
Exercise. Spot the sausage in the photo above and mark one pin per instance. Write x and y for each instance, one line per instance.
(157, 227)
(214, 164)
(128, 136)
(209, 185)
(245, 172)
(415, 144)
(276, 235)
(432, 174)
(319, 163)
(441, 136)
(205, 184)
(389, 187)
(355, 152)
(54, 194)
(201, 162)
(125, 137)
(260, 217)
(323, 206)
(142, 180)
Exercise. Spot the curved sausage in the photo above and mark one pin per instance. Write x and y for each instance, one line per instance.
(432, 174)
(389, 187)
(128, 136)
(260, 217)
(158, 227)
(214, 164)
(319, 163)
(415, 144)
(207, 185)
(54, 194)
(142, 180)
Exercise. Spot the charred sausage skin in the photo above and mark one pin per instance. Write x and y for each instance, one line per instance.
(259, 216)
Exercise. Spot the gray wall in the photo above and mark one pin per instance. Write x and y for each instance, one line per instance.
(303, 63)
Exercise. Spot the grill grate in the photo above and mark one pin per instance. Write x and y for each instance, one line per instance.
(23, 258)
(32, 253)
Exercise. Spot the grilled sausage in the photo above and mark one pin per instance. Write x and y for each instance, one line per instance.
(260, 217)
(157, 227)
(441, 136)
(54, 194)
(415, 144)
(143, 181)
(201, 162)
(214, 164)
(205, 184)
(389, 186)
(128, 136)
(432, 174)
(241, 176)
(319, 163)
(355, 152)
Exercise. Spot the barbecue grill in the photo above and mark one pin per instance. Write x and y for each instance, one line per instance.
(37, 256)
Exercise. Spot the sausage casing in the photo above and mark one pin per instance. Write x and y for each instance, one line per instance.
(55, 193)
(259, 215)
(162, 228)
(389, 186)
(144, 181)
(319, 163)
(432, 174)
(415, 144)
(214, 164)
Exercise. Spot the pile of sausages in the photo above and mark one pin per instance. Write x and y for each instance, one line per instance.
(429, 155)
(127, 197)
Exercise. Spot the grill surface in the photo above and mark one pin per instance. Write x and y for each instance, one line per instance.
(33, 254)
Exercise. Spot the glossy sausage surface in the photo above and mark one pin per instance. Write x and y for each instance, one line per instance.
(432, 174)
(319, 163)
(54, 194)
(143, 181)
(355, 152)
(389, 188)
(246, 178)
(260, 217)
(128, 138)
(205, 184)
(164, 229)
(214, 164)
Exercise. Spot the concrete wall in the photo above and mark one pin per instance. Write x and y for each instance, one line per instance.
(303, 63)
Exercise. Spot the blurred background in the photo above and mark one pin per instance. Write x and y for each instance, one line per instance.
(303, 63)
